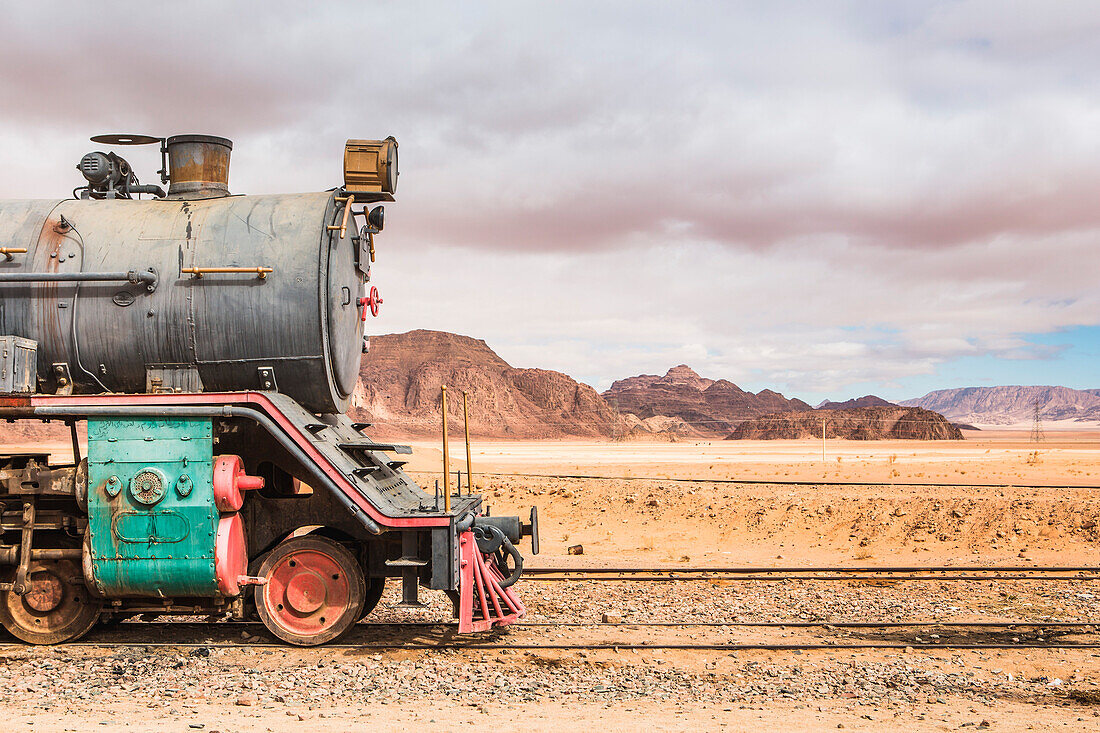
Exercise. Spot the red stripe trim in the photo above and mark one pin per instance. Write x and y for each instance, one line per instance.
(213, 399)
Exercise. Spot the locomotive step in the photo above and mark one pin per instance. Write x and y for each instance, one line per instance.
(387, 447)
(406, 562)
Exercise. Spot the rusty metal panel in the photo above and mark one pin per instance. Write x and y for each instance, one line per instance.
(161, 378)
(18, 365)
(199, 165)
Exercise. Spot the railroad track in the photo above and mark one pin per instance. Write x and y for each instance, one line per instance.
(432, 636)
(626, 636)
(885, 573)
(775, 482)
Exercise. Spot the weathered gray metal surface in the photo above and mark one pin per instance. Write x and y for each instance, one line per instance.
(18, 365)
(302, 319)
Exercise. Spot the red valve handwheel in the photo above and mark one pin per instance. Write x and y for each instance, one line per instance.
(372, 302)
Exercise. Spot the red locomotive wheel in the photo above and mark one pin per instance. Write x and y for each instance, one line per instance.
(54, 609)
(314, 593)
(374, 594)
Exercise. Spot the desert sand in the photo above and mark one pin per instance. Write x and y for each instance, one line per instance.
(1068, 457)
(641, 515)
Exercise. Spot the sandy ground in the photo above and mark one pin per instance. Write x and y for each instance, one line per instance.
(554, 716)
(1067, 457)
(642, 517)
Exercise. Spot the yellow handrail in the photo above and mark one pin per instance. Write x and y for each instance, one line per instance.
(446, 458)
(343, 225)
(261, 272)
(469, 463)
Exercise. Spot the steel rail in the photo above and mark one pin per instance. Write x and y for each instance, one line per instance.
(897, 573)
(477, 644)
(660, 624)
(824, 578)
(764, 482)
(824, 624)
(451, 646)
(829, 569)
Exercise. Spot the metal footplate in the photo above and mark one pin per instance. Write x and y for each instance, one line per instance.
(410, 566)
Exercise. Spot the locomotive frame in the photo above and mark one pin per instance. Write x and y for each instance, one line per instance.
(230, 502)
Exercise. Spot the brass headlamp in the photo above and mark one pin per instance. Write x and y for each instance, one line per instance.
(370, 166)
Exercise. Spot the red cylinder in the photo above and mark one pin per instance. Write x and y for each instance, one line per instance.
(230, 554)
(230, 480)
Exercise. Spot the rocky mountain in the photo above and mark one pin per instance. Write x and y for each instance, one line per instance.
(860, 423)
(865, 401)
(399, 391)
(1012, 405)
(683, 376)
(710, 406)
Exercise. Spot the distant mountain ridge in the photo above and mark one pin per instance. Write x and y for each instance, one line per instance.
(711, 406)
(1011, 404)
(857, 402)
(860, 423)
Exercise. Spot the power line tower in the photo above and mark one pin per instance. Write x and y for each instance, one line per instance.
(1037, 435)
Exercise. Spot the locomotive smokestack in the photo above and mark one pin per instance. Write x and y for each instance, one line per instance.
(198, 166)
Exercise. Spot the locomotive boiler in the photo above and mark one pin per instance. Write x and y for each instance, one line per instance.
(210, 343)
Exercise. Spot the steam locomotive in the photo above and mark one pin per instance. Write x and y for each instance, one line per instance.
(210, 344)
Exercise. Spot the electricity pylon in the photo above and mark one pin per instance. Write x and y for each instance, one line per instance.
(1037, 435)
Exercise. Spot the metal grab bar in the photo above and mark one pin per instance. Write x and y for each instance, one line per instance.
(342, 227)
(198, 272)
(148, 278)
(9, 251)
(446, 457)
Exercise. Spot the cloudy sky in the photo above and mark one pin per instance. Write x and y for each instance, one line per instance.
(824, 198)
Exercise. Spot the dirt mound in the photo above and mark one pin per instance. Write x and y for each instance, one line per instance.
(709, 406)
(865, 401)
(863, 423)
(399, 391)
(632, 427)
(662, 521)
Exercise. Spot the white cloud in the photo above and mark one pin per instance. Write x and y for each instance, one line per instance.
(808, 195)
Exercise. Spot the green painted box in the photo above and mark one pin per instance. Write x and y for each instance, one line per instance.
(152, 522)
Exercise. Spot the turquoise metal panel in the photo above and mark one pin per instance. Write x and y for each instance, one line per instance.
(151, 514)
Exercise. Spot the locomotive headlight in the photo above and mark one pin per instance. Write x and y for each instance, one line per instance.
(96, 168)
(370, 166)
(377, 218)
